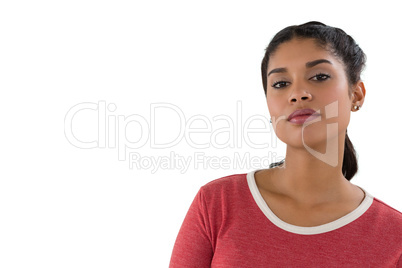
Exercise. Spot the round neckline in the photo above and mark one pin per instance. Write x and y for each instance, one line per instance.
(327, 227)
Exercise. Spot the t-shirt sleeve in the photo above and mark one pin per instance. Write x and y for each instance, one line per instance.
(193, 247)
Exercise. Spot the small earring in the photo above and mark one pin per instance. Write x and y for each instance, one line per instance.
(270, 120)
(357, 107)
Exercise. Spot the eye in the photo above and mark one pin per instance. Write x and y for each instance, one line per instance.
(320, 77)
(280, 84)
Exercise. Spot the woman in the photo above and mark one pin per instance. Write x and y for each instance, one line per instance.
(303, 211)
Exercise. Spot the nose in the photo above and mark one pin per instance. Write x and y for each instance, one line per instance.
(299, 96)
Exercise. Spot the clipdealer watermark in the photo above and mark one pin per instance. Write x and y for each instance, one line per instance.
(112, 133)
(199, 161)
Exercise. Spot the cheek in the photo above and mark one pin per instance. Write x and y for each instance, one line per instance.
(344, 112)
(275, 106)
(337, 106)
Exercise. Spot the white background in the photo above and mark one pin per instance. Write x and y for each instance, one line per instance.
(65, 206)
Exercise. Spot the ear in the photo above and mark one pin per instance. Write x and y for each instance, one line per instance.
(358, 94)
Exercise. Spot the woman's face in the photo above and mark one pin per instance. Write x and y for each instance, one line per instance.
(302, 75)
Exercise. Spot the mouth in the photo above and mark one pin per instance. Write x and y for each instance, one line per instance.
(301, 116)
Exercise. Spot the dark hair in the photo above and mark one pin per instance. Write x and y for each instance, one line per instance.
(339, 44)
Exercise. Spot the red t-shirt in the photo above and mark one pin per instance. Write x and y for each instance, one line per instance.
(230, 225)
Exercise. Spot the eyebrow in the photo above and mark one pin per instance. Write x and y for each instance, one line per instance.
(309, 64)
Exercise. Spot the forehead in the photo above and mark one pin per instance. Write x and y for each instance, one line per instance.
(298, 51)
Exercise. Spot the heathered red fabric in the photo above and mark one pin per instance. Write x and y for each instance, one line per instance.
(225, 227)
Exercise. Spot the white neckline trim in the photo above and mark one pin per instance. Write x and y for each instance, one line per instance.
(360, 210)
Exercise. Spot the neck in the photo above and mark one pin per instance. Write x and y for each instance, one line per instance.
(309, 179)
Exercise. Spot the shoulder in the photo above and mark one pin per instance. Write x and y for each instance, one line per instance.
(227, 189)
(386, 216)
(225, 197)
(387, 211)
(227, 183)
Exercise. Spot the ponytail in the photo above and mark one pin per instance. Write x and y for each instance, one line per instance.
(349, 166)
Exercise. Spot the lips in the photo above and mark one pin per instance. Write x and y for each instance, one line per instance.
(301, 113)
